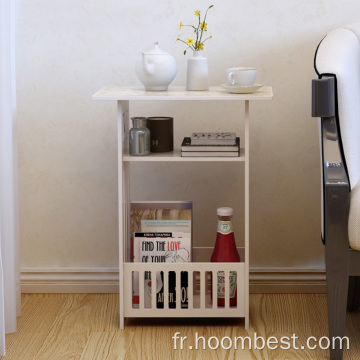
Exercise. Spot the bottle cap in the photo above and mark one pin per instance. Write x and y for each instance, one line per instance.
(139, 122)
(225, 211)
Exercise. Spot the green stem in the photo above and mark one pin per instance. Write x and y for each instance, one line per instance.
(188, 25)
(197, 33)
(207, 39)
(204, 24)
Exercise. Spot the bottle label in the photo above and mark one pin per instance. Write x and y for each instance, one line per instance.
(225, 227)
(221, 284)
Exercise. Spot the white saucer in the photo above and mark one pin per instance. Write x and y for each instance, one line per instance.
(241, 89)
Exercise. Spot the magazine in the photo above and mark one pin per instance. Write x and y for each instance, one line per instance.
(166, 218)
(164, 247)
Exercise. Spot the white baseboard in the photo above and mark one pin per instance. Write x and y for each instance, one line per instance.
(287, 280)
(66, 280)
(105, 280)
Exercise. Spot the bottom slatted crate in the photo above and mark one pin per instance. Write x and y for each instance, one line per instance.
(188, 289)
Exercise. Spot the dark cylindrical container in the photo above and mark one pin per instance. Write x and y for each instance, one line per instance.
(161, 133)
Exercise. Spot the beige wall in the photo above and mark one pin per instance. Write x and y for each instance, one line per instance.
(67, 50)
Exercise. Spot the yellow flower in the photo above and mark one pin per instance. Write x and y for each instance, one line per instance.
(181, 24)
(199, 46)
(189, 41)
(203, 26)
(197, 12)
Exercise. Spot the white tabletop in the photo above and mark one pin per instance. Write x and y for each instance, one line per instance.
(178, 93)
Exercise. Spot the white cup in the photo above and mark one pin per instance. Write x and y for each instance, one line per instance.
(241, 76)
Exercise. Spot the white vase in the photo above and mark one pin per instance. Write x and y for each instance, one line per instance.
(197, 72)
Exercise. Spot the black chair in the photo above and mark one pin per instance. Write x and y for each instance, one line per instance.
(336, 100)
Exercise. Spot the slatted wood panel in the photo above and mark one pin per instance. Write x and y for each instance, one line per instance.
(198, 306)
(86, 326)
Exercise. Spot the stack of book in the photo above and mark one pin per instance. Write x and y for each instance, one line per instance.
(211, 145)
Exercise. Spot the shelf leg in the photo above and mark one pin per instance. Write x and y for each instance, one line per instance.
(247, 222)
(123, 194)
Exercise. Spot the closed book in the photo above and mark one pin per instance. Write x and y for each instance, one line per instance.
(187, 146)
(210, 153)
(224, 138)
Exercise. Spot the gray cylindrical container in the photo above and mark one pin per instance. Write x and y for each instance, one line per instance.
(139, 137)
(162, 133)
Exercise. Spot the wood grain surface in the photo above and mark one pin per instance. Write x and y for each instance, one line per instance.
(85, 327)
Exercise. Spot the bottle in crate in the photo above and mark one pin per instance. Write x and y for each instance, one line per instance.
(225, 251)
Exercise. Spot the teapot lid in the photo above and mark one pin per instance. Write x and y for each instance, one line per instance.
(155, 50)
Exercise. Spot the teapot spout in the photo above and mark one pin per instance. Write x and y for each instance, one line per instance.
(149, 68)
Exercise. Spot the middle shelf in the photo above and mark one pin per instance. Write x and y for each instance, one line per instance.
(176, 156)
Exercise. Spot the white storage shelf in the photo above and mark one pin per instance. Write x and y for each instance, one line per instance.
(177, 93)
(199, 301)
(176, 156)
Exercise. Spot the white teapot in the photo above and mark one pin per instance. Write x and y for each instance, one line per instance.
(156, 69)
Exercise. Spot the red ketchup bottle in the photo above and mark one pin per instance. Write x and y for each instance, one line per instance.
(225, 251)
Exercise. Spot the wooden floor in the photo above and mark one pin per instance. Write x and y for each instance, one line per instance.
(85, 326)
